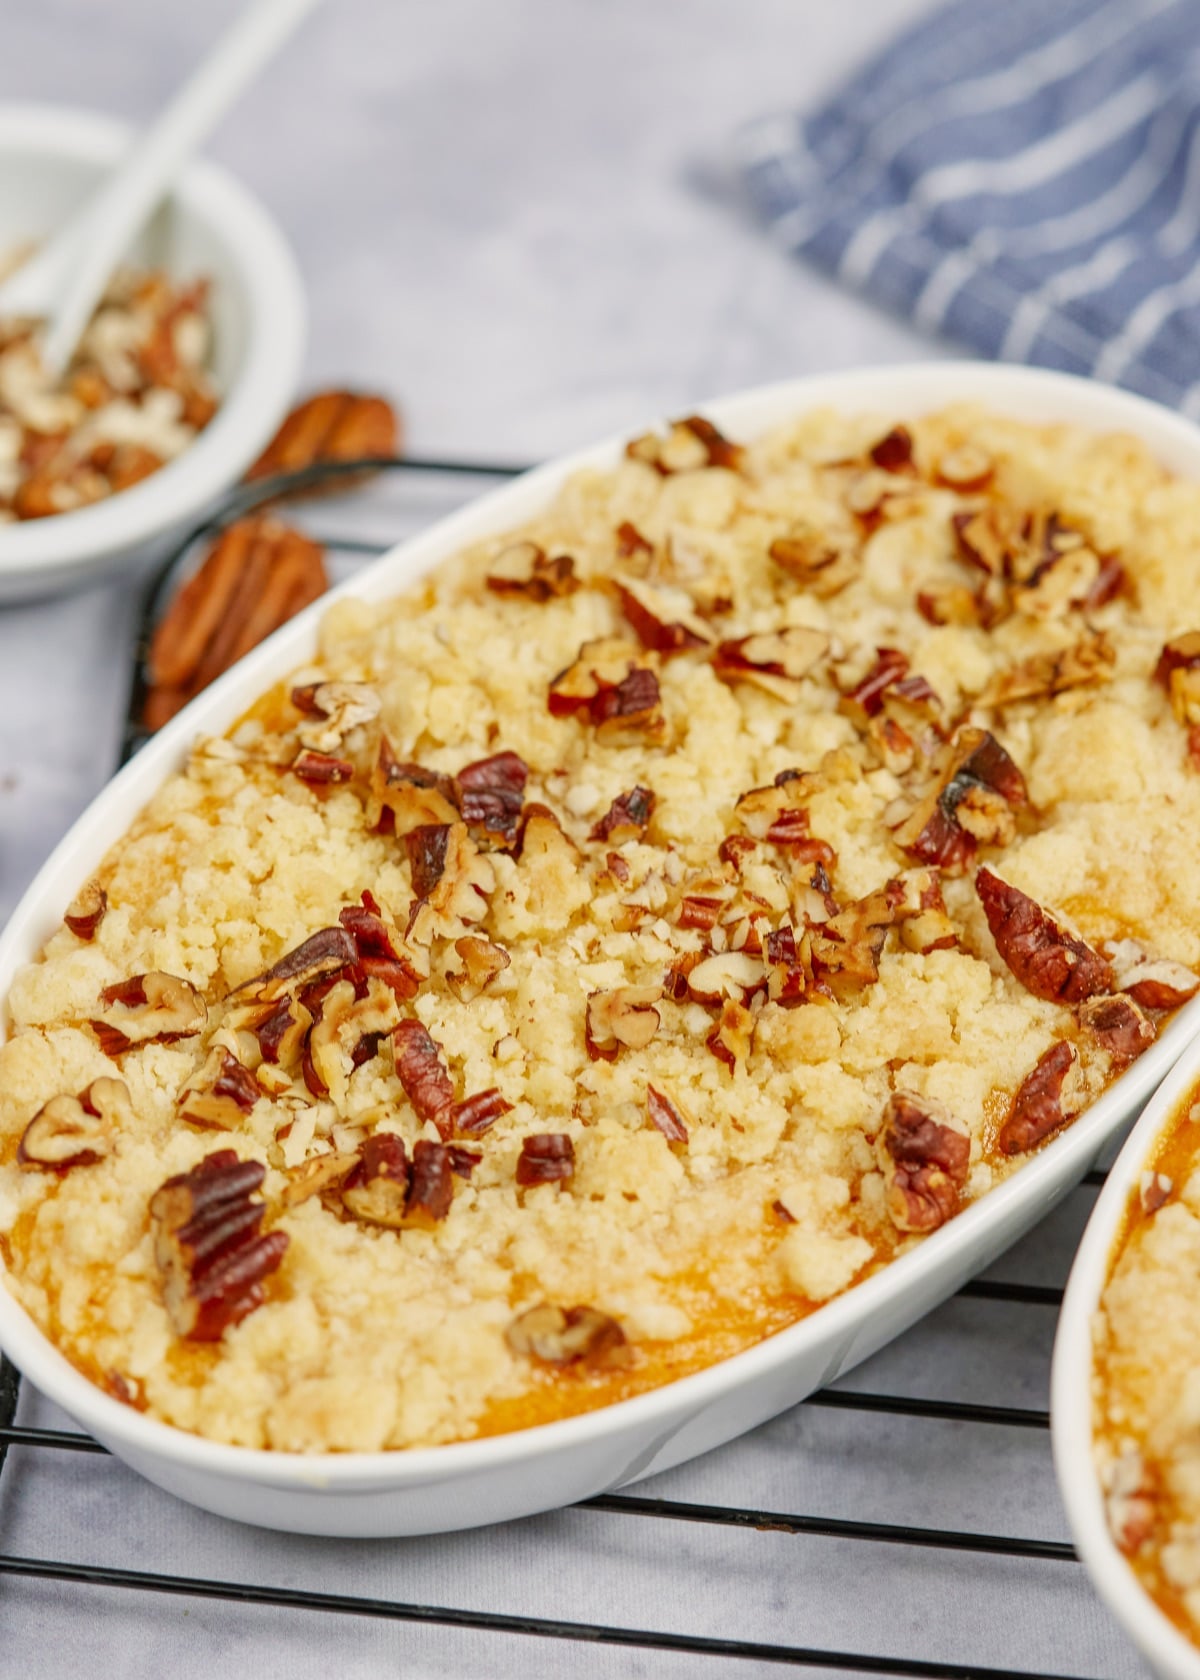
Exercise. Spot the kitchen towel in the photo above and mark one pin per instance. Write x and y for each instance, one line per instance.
(1022, 178)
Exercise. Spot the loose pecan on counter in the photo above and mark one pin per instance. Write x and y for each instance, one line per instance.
(330, 426)
(257, 574)
(208, 1248)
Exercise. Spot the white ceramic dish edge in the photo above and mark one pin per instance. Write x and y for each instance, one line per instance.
(1071, 1408)
(38, 557)
(462, 1485)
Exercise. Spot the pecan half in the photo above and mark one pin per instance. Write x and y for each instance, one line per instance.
(1046, 1099)
(330, 426)
(219, 1093)
(1046, 959)
(567, 1336)
(1154, 981)
(1118, 1026)
(627, 818)
(257, 574)
(546, 1158)
(148, 1008)
(86, 911)
(924, 1154)
(207, 1245)
(75, 1131)
(773, 660)
(491, 793)
(665, 1116)
(423, 1074)
(624, 1016)
(973, 802)
(524, 569)
(665, 619)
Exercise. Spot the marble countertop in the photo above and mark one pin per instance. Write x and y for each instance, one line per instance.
(518, 220)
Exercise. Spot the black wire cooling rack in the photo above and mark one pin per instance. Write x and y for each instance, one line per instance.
(25, 1448)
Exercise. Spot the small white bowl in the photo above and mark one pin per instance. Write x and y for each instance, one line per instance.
(1071, 1398)
(427, 1490)
(50, 160)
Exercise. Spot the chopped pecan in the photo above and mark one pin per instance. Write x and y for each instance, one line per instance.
(472, 1116)
(1154, 1191)
(376, 1188)
(323, 953)
(924, 924)
(665, 619)
(491, 793)
(408, 795)
(482, 963)
(968, 467)
(624, 1016)
(773, 660)
(314, 1178)
(627, 818)
(75, 1131)
(950, 603)
(256, 576)
(608, 683)
(726, 974)
(207, 1245)
(924, 1154)
(346, 1025)
(283, 1032)
(1049, 961)
(148, 1008)
(789, 966)
(525, 569)
(665, 1115)
(730, 1040)
(546, 1158)
(1178, 671)
(335, 710)
(631, 542)
(1046, 1099)
(330, 426)
(823, 566)
(86, 911)
(423, 1074)
(972, 804)
(1090, 660)
(542, 838)
(380, 949)
(894, 452)
(320, 769)
(775, 814)
(431, 1186)
(692, 443)
(426, 848)
(735, 849)
(865, 699)
(1131, 1501)
(1118, 1026)
(219, 1093)
(462, 1161)
(459, 895)
(567, 1336)
(1154, 981)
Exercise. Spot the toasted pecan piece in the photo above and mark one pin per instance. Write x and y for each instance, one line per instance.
(257, 575)
(330, 426)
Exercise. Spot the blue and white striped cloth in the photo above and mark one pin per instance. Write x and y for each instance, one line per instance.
(1022, 177)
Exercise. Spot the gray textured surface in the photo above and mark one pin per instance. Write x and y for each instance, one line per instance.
(515, 218)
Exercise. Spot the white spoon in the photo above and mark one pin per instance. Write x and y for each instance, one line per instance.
(63, 281)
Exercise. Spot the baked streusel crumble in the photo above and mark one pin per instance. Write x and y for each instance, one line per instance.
(623, 942)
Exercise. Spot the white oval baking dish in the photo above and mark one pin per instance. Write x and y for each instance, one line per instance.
(433, 1489)
(1071, 1409)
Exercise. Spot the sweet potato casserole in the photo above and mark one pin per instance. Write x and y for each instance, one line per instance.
(625, 941)
(1147, 1394)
